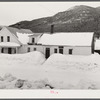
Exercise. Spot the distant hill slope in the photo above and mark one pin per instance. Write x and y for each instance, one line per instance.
(79, 18)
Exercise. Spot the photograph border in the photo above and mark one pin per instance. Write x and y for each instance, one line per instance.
(64, 94)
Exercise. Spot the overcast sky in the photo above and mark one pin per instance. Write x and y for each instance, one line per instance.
(12, 12)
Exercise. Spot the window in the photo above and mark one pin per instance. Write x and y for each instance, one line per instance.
(14, 50)
(2, 50)
(61, 50)
(8, 38)
(28, 50)
(34, 49)
(55, 50)
(33, 40)
(1, 38)
(61, 47)
(70, 51)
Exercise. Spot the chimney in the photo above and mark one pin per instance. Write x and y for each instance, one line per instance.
(52, 28)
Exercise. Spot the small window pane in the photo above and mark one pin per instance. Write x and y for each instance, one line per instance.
(8, 38)
(28, 50)
(34, 49)
(14, 50)
(1, 38)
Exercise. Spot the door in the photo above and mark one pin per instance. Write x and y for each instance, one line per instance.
(47, 54)
(70, 51)
(9, 50)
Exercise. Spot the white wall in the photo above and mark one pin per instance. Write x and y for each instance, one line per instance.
(24, 48)
(4, 32)
(76, 50)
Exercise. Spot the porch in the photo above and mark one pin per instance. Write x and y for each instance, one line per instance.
(9, 47)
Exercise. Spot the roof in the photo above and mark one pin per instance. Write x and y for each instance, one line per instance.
(67, 38)
(97, 45)
(23, 38)
(36, 34)
(9, 44)
(13, 30)
(26, 31)
(21, 34)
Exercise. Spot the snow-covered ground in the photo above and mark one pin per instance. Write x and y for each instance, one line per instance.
(33, 71)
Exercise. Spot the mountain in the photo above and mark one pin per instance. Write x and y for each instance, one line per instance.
(79, 18)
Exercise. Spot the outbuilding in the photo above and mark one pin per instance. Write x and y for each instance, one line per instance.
(69, 43)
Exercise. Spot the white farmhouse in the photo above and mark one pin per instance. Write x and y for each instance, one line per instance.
(13, 40)
(10, 41)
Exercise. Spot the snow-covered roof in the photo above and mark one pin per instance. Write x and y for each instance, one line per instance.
(26, 31)
(9, 44)
(23, 38)
(97, 45)
(14, 30)
(67, 38)
(36, 34)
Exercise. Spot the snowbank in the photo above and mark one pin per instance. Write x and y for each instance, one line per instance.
(74, 61)
(11, 82)
(27, 58)
(31, 71)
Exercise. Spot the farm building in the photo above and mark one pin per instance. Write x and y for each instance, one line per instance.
(77, 43)
(13, 40)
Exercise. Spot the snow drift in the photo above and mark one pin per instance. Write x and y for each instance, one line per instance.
(27, 58)
(73, 61)
(31, 71)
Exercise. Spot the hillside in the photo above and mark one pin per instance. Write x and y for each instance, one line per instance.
(79, 18)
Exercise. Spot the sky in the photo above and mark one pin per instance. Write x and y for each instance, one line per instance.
(13, 12)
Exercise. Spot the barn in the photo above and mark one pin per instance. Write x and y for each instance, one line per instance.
(71, 43)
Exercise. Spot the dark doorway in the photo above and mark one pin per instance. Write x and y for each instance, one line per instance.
(70, 51)
(61, 50)
(9, 50)
(2, 50)
(47, 52)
